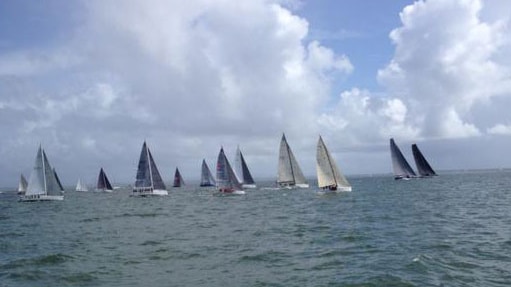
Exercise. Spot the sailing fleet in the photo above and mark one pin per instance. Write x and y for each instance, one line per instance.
(44, 183)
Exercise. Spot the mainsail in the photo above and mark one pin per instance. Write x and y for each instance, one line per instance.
(241, 170)
(103, 182)
(148, 178)
(422, 164)
(80, 186)
(399, 164)
(178, 179)
(206, 176)
(22, 186)
(42, 184)
(58, 180)
(226, 179)
(329, 175)
(289, 173)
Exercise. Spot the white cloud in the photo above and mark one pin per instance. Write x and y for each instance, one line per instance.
(500, 129)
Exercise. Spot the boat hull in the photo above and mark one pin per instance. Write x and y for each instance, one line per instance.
(40, 197)
(149, 192)
(292, 186)
(249, 186)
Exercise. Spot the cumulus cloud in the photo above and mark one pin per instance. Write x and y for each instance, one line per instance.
(447, 61)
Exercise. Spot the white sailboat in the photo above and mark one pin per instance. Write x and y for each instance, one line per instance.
(226, 180)
(42, 185)
(329, 176)
(242, 171)
(207, 178)
(289, 173)
(22, 186)
(81, 186)
(148, 181)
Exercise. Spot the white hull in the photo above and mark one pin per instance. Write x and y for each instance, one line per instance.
(292, 186)
(103, 190)
(338, 190)
(234, 192)
(249, 186)
(41, 197)
(149, 192)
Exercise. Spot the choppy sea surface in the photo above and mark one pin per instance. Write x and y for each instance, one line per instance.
(451, 230)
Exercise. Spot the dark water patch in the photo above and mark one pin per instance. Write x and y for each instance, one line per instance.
(143, 215)
(79, 278)
(382, 280)
(268, 256)
(150, 243)
(47, 260)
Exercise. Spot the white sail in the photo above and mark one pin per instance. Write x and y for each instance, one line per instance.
(242, 172)
(22, 186)
(329, 175)
(42, 184)
(289, 172)
(80, 186)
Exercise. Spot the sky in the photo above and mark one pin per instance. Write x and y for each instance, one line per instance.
(91, 80)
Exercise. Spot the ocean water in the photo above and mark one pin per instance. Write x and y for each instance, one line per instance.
(451, 230)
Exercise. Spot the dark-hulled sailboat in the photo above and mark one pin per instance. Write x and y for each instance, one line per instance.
(423, 166)
(401, 168)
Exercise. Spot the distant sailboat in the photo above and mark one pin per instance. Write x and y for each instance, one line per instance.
(148, 181)
(226, 180)
(329, 175)
(22, 186)
(423, 167)
(178, 179)
(42, 185)
(242, 172)
(80, 186)
(402, 170)
(58, 180)
(207, 178)
(103, 182)
(289, 173)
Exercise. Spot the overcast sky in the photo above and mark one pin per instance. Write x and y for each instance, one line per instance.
(91, 80)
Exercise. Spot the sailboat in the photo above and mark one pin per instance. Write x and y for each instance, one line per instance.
(401, 168)
(178, 179)
(103, 182)
(58, 180)
(423, 167)
(207, 178)
(80, 186)
(22, 186)
(329, 176)
(242, 172)
(226, 180)
(148, 181)
(42, 185)
(289, 173)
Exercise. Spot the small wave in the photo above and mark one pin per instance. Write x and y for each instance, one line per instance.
(78, 278)
(150, 243)
(47, 260)
(270, 256)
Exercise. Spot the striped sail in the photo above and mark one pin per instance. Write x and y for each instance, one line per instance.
(289, 172)
(400, 166)
(327, 170)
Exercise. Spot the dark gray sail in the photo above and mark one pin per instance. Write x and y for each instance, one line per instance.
(241, 169)
(58, 180)
(178, 179)
(207, 178)
(103, 182)
(422, 164)
(148, 176)
(399, 164)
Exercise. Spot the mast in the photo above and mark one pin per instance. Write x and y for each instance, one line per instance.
(44, 170)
